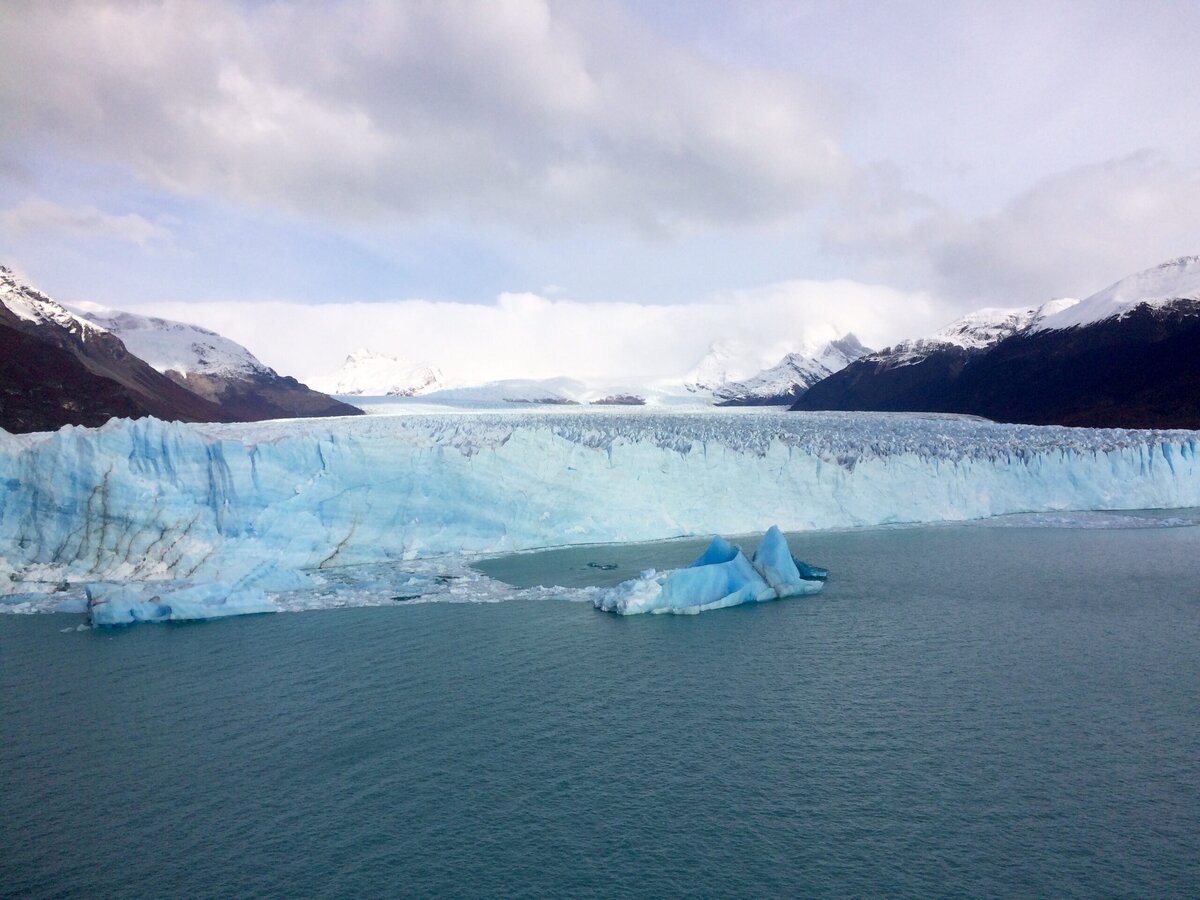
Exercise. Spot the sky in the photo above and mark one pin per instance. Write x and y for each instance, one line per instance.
(529, 188)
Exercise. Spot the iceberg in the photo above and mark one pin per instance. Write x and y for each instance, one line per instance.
(125, 604)
(722, 576)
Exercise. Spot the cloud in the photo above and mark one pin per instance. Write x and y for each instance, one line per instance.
(524, 111)
(39, 216)
(1068, 235)
(530, 336)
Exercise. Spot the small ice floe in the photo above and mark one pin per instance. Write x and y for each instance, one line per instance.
(721, 577)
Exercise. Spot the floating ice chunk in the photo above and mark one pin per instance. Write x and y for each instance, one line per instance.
(788, 576)
(719, 551)
(124, 604)
(722, 576)
(774, 560)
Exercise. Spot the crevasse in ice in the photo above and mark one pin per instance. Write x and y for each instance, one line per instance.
(722, 576)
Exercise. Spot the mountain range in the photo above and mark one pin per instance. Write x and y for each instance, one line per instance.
(60, 366)
(1127, 356)
(791, 377)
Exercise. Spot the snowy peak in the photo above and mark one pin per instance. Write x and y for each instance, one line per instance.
(984, 327)
(366, 372)
(725, 361)
(836, 355)
(977, 330)
(63, 367)
(57, 368)
(1124, 357)
(176, 346)
(1162, 285)
(31, 305)
(792, 375)
(215, 368)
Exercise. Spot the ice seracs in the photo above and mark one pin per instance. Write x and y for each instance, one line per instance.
(721, 577)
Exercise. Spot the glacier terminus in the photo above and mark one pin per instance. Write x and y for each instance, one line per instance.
(257, 508)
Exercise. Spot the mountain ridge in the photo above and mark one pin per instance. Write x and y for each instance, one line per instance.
(788, 379)
(59, 368)
(1127, 356)
(214, 367)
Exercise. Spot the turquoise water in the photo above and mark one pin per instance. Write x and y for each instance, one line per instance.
(964, 710)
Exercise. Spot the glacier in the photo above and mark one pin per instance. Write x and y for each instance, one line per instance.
(148, 500)
(721, 577)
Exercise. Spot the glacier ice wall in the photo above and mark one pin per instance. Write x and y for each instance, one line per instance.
(148, 499)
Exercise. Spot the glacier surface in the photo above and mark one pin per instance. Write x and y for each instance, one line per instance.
(149, 500)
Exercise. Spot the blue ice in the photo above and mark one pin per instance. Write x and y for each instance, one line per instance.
(722, 576)
(126, 604)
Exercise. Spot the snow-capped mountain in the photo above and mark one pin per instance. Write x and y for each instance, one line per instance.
(174, 346)
(214, 367)
(725, 361)
(30, 305)
(1128, 355)
(1174, 284)
(367, 373)
(788, 379)
(57, 368)
(82, 367)
(977, 330)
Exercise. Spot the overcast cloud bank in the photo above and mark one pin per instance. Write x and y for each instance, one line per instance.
(530, 336)
(515, 110)
(155, 154)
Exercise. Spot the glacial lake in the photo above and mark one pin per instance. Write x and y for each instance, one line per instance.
(967, 709)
